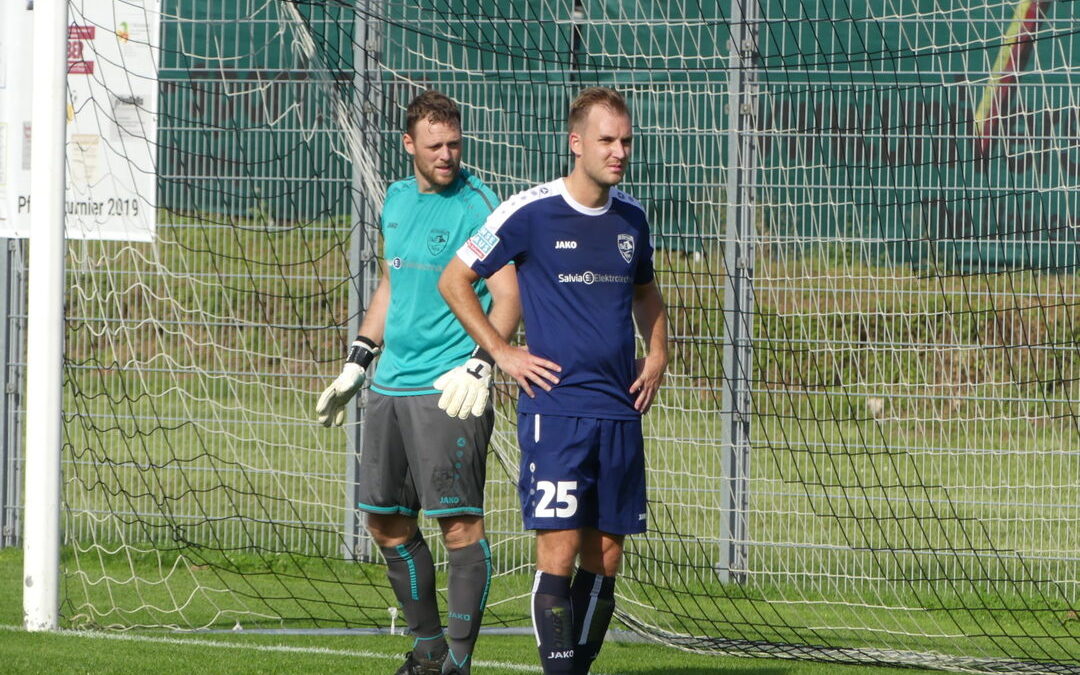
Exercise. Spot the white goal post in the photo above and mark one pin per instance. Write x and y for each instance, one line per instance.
(45, 323)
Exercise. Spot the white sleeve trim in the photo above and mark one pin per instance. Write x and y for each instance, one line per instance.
(485, 239)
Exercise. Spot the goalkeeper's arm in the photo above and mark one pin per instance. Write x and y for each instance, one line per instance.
(465, 389)
(330, 408)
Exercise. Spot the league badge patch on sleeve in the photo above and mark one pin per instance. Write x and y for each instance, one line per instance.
(484, 241)
(626, 246)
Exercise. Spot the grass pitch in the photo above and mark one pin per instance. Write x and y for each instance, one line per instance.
(192, 653)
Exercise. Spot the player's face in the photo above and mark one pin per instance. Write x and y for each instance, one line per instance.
(436, 151)
(602, 146)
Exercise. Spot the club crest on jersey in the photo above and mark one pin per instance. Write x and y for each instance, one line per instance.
(626, 246)
(437, 240)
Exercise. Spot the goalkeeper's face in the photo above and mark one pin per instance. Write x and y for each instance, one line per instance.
(436, 151)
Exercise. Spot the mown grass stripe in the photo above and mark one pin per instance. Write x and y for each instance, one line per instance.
(218, 644)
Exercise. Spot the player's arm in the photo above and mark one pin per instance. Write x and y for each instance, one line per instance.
(330, 408)
(651, 318)
(466, 388)
(456, 286)
(373, 325)
(505, 301)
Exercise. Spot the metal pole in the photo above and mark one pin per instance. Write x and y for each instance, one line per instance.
(363, 254)
(45, 350)
(8, 449)
(15, 386)
(738, 291)
(12, 342)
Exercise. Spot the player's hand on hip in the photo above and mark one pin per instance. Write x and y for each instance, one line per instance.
(650, 377)
(330, 410)
(528, 369)
(466, 389)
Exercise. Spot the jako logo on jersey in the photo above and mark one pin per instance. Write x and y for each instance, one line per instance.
(449, 500)
(566, 244)
(566, 654)
(626, 246)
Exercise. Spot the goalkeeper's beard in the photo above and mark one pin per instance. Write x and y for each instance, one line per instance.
(440, 179)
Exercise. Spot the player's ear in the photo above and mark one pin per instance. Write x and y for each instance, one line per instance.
(575, 143)
(410, 145)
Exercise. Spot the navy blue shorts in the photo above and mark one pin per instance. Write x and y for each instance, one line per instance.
(582, 472)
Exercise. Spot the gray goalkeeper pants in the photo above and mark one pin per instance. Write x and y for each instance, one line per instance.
(415, 456)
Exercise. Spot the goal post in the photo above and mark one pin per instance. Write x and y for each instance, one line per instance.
(45, 322)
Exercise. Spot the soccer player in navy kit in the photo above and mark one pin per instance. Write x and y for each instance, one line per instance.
(585, 274)
(423, 449)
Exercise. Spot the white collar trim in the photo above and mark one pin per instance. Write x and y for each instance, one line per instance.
(578, 206)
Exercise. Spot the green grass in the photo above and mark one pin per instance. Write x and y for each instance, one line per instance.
(191, 588)
(185, 653)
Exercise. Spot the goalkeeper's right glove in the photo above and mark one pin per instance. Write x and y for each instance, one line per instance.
(465, 389)
(331, 406)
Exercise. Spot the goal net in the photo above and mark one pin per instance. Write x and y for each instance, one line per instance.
(866, 449)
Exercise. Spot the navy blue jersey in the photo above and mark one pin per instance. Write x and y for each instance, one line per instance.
(576, 269)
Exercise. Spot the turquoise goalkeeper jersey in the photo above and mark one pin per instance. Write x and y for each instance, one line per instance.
(421, 233)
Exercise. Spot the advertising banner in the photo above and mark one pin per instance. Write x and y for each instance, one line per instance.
(112, 55)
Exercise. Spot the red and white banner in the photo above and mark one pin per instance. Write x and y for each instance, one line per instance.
(112, 54)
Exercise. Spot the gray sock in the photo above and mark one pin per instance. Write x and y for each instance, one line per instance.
(412, 576)
(470, 579)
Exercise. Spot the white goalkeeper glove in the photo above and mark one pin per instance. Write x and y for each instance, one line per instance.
(465, 389)
(331, 406)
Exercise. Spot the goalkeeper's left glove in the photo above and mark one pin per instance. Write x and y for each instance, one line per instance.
(331, 406)
(465, 389)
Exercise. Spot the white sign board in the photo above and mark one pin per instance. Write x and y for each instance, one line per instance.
(16, 26)
(113, 50)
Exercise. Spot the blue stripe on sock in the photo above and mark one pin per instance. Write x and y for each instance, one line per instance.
(411, 564)
(487, 566)
(433, 637)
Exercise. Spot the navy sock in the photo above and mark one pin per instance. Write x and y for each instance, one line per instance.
(553, 621)
(470, 579)
(593, 599)
(411, 571)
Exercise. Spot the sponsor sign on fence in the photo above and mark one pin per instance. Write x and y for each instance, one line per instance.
(112, 56)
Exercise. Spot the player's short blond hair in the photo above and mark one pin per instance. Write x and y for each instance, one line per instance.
(594, 96)
(434, 106)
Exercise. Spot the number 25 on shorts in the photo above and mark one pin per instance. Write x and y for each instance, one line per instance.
(562, 494)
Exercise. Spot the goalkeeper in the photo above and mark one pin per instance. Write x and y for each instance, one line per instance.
(428, 418)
